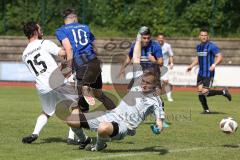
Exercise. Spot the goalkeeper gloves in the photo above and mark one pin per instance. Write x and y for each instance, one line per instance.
(155, 129)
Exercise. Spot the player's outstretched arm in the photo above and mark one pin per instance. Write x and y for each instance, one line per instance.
(194, 63)
(219, 58)
(95, 47)
(171, 62)
(68, 48)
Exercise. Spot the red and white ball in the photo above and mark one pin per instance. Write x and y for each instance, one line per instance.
(228, 125)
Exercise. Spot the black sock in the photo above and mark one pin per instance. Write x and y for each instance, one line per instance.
(214, 92)
(107, 102)
(203, 100)
(84, 106)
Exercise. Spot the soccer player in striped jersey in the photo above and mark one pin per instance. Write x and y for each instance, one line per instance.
(208, 58)
(151, 54)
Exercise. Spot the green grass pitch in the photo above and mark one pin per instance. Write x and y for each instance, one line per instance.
(191, 136)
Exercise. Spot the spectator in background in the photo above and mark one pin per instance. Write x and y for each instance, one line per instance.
(167, 65)
(151, 54)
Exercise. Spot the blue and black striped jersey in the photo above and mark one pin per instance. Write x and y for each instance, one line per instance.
(152, 48)
(206, 56)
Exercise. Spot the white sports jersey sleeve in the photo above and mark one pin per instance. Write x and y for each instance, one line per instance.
(170, 50)
(158, 109)
(51, 47)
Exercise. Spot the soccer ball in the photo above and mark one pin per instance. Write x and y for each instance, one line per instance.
(228, 125)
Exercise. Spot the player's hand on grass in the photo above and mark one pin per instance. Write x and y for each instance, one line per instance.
(158, 127)
(155, 129)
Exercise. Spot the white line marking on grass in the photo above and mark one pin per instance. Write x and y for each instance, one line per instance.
(106, 156)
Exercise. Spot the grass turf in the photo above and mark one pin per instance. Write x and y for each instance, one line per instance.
(191, 136)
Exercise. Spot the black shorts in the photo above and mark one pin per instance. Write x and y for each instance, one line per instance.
(90, 74)
(205, 81)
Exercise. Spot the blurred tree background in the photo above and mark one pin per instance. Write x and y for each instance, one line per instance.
(122, 18)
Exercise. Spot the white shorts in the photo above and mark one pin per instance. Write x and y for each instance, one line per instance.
(95, 118)
(165, 77)
(51, 99)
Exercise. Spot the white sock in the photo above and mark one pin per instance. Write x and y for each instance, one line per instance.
(41, 121)
(169, 95)
(70, 133)
(80, 134)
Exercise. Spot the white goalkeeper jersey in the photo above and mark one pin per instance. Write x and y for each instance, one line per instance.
(37, 57)
(166, 52)
(136, 106)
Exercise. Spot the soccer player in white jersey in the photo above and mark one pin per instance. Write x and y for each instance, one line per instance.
(128, 115)
(49, 80)
(167, 65)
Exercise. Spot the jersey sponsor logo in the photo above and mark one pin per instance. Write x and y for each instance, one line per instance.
(202, 54)
(144, 59)
(77, 26)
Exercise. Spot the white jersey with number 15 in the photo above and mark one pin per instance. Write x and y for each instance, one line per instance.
(37, 57)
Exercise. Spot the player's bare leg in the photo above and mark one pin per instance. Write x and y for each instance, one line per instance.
(105, 130)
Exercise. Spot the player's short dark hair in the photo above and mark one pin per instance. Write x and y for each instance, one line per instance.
(161, 34)
(29, 28)
(68, 11)
(204, 29)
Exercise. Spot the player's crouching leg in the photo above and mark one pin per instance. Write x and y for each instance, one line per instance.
(105, 131)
